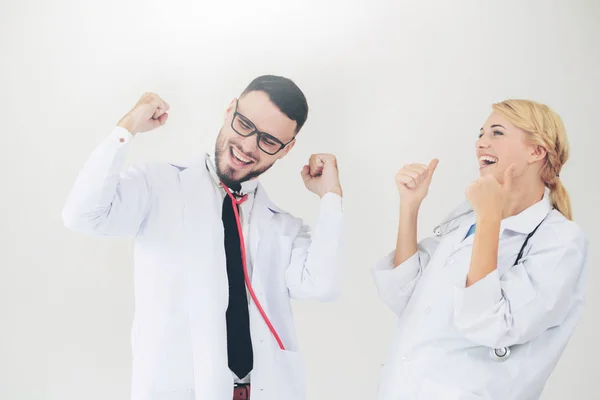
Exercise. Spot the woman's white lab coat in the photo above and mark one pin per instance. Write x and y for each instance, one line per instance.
(179, 331)
(442, 348)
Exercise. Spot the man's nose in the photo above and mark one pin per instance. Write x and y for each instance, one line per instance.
(249, 144)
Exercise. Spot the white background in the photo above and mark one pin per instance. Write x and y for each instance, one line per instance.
(388, 82)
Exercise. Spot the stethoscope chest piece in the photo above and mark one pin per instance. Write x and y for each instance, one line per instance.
(500, 354)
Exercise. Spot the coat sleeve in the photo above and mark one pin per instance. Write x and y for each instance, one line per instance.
(533, 296)
(316, 260)
(395, 284)
(104, 200)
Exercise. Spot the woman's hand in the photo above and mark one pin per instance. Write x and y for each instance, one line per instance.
(413, 182)
(488, 197)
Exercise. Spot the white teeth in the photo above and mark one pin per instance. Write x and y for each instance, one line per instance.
(240, 157)
(488, 158)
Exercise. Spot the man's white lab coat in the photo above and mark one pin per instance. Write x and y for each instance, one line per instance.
(181, 289)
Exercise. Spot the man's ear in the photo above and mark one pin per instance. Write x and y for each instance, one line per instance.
(229, 108)
(286, 149)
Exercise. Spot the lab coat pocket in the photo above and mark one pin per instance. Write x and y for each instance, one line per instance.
(290, 375)
(285, 246)
(434, 390)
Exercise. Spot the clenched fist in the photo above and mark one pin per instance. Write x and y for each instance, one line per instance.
(321, 176)
(413, 182)
(149, 113)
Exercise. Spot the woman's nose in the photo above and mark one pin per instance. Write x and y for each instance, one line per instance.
(482, 143)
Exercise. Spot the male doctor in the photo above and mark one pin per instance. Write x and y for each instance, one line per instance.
(216, 262)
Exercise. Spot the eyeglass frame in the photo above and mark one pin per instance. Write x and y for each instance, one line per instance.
(258, 133)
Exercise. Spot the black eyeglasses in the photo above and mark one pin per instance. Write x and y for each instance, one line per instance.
(244, 127)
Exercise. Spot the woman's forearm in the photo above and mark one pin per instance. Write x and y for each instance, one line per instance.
(484, 258)
(406, 244)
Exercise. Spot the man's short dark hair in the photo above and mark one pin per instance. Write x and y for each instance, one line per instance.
(285, 94)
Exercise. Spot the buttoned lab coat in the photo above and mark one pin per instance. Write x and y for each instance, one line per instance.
(179, 334)
(443, 347)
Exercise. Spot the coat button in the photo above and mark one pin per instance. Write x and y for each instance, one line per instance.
(500, 354)
(437, 231)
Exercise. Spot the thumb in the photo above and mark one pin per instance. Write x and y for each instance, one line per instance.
(305, 173)
(163, 119)
(431, 167)
(508, 176)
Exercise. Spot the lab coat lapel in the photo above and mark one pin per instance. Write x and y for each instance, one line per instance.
(190, 179)
(259, 228)
(205, 282)
(461, 240)
(203, 229)
(458, 238)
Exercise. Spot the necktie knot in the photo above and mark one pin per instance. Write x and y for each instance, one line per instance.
(235, 187)
(233, 191)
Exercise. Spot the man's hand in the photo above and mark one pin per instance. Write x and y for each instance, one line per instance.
(149, 113)
(321, 176)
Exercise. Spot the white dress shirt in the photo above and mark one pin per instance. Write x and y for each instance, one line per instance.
(444, 344)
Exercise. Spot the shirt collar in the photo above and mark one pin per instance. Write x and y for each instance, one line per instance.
(247, 186)
(524, 222)
(528, 219)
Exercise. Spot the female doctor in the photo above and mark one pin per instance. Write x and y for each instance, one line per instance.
(487, 306)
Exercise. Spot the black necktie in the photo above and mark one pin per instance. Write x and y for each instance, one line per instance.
(239, 345)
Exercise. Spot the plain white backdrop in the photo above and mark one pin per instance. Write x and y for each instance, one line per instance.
(388, 82)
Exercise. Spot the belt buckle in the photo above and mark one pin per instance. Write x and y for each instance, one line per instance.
(241, 391)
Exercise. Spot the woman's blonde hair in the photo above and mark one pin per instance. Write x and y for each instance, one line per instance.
(544, 128)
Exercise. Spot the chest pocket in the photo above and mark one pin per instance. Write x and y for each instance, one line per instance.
(513, 251)
(510, 248)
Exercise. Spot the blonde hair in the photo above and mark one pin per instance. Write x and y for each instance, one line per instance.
(544, 128)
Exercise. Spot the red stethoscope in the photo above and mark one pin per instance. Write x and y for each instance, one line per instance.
(246, 278)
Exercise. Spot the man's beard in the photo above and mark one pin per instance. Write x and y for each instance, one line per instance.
(227, 176)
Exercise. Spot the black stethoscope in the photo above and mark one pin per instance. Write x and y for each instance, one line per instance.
(500, 354)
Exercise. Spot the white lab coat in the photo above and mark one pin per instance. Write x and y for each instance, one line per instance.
(446, 332)
(181, 291)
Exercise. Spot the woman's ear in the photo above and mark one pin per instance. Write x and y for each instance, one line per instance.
(538, 153)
